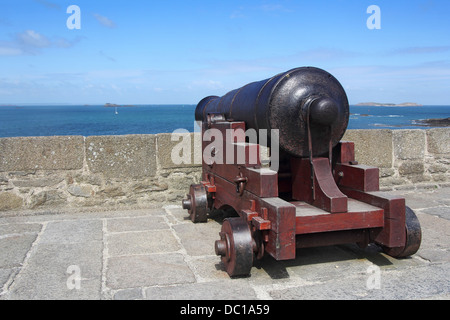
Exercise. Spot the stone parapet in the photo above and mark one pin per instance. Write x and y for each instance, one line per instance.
(41, 153)
(406, 158)
(121, 157)
(138, 171)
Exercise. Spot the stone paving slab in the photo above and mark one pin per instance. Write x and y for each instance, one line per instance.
(46, 273)
(159, 254)
(141, 242)
(148, 270)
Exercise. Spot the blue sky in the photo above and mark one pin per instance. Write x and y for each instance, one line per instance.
(177, 52)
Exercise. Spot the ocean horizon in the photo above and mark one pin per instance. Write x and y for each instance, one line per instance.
(87, 120)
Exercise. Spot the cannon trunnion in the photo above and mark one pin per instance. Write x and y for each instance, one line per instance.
(312, 193)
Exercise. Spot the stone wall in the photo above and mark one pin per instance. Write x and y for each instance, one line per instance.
(136, 171)
(406, 158)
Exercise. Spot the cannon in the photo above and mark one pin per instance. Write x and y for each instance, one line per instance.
(312, 192)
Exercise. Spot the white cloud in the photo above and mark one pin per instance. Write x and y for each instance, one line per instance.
(32, 42)
(32, 39)
(48, 4)
(106, 56)
(104, 21)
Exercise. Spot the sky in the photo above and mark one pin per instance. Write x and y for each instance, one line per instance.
(177, 52)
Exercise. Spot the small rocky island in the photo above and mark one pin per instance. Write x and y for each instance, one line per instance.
(444, 122)
(113, 105)
(377, 104)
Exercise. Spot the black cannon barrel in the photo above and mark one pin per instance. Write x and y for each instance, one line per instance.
(285, 102)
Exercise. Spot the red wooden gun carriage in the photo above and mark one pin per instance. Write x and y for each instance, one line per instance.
(313, 194)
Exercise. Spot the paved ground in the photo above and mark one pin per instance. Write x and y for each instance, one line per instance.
(159, 254)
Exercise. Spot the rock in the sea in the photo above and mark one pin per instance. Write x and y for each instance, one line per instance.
(444, 122)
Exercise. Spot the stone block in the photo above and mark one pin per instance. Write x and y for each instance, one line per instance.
(179, 150)
(438, 168)
(440, 177)
(391, 182)
(3, 179)
(38, 199)
(41, 153)
(128, 156)
(19, 228)
(216, 290)
(386, 172)
(411, 167)
(51, 269)
(147, 186)
(72, 231)
(129, 294)
(10, 201)
(409, 144)
(55, 198)
(84, 191)
(147, 270)
(183, 180)
(418, 178)
(14, 248)
(112, 192)
(141, 242)
(372, 147)
(193, 235)
(136, 224)
(438, 141)
(38, 182)
(85, 177)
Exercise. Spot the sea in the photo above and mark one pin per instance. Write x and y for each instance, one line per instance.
(90, 120)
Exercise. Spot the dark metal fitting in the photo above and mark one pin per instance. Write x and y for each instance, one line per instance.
(213, 118)
(221, 247)
(240, 181)
(322, 110)
(187, 203)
